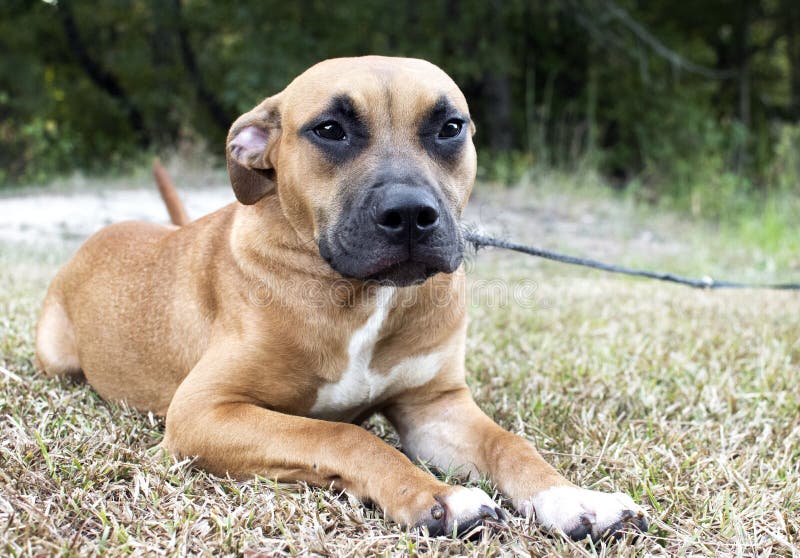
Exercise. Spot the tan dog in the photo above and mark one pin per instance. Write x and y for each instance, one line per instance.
(331, 292)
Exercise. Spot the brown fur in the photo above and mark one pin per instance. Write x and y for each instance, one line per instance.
(213, 323)
(177, 213)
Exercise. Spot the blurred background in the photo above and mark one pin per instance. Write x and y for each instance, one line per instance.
(692, 104)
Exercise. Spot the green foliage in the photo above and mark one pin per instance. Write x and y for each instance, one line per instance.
(784, 170)
(684, 102)
(504, 167)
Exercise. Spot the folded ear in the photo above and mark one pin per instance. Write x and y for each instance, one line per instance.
(250, 149)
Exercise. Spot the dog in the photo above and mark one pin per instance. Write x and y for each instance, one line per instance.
(332, 289)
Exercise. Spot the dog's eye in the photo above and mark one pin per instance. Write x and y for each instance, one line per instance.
(451, 128)
(330, 130)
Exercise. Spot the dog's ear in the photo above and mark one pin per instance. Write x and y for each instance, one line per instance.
(250, 151)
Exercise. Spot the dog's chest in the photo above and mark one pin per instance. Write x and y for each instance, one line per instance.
(360, 386)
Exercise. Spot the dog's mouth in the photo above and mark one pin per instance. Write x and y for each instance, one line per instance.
(403, 274)
(392, 267)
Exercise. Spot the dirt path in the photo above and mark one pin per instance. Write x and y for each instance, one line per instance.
(55, 218)
(45, 219)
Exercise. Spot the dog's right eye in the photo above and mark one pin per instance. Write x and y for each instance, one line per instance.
(330, 130)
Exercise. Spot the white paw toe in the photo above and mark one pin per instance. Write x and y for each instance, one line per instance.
(579, 513)
(462, 510)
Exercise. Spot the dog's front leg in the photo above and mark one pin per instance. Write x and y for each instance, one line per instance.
(448, 430)
(214, 418)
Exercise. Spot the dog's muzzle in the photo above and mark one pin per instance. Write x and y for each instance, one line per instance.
(396, 233)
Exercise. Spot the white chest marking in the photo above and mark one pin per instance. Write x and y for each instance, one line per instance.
(359, 386)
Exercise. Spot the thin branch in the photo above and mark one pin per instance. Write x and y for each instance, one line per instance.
(662, 50)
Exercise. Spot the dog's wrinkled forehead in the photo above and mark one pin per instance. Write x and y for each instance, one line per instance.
(395, 91)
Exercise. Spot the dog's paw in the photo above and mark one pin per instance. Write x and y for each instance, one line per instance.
(460, 511)
(579, 513)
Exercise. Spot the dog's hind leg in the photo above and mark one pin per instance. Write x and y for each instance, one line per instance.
(56, 350)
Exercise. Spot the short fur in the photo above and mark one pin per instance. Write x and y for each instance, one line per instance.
(239, 332)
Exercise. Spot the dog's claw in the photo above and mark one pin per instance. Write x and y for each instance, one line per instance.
(584, 529)
(630, 522)
(493, 512)
(460, 515)
(487, 511)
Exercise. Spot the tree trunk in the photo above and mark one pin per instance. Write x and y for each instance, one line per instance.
(101, 77)
(791, 10)
(743, 81)
(497, 88)
(214, 107)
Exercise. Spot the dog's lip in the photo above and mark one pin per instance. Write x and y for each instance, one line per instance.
(386, 263)
(407, 272)
(421, 261)
(385, 267)
(386, 260)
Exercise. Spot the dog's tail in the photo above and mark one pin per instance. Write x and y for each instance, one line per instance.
(175, 207)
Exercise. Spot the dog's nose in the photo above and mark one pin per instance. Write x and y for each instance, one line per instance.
(406, 213)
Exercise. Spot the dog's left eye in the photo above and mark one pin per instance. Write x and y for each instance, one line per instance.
(330, 130)
(451, 128)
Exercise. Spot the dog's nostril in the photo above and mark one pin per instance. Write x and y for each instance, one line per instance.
(391, 220)
(405, 214)
(427, 217)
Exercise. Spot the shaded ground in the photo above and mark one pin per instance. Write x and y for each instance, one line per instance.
(687, 400)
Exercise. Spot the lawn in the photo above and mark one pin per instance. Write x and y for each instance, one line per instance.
(687, 400)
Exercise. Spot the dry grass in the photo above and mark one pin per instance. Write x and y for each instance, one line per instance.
(689, 401)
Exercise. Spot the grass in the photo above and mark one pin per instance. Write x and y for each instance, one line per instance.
(689, 401)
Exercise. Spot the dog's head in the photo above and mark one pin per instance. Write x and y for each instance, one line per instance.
(372, 157)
